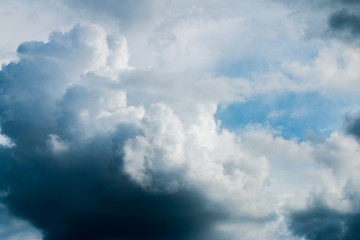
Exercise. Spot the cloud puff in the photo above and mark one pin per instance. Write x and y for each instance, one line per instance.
(177, 155)
(5, 141)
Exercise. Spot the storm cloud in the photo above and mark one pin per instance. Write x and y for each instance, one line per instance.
(87, 197)
(67, 180)
(83, 163)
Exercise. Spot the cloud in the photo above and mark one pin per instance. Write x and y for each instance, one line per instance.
(63, 174)
(352, 124)
(343, 20)
(127, 13)
(89, 161)
(320, 222)
(96, 144)
(188, 36)
(12, 228)
(5, 141)
(326, 20)
(331, 210)
(89, 198)
(332, 72)
(199, 156)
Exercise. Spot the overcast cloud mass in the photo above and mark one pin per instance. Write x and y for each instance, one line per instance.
(199, 120)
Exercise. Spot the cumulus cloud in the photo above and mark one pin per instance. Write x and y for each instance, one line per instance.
(82, 152)
(213, 162)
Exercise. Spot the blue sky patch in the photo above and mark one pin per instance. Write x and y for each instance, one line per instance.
(294, 114)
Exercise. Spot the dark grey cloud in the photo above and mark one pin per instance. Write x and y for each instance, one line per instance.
(318, 221)
(353, 224)
(323, 223)
(344, 20)
(65, 182)
(352, 124)
(83, 195)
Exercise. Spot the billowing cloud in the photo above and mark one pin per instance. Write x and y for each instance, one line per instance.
(62, 114)
(86, 164)
(114, 130)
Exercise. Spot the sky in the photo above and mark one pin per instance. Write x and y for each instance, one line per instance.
(179, 120)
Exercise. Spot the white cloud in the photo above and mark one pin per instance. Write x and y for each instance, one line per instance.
(334, 71)
(56, 144)
(5, 140)
(172, 155)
